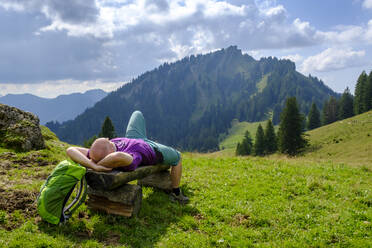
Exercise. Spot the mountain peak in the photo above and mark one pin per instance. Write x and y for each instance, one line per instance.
(233, 49)
(198, 96)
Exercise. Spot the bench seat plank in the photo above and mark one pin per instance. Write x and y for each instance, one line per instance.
(114, 179)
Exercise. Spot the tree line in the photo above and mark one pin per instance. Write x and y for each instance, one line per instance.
(345, 107)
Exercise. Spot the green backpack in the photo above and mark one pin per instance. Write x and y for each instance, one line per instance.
(57, 189)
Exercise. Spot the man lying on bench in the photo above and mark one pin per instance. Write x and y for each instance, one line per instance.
(129, 152)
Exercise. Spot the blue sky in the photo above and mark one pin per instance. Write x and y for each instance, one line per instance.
(55, 47)
(325, 14)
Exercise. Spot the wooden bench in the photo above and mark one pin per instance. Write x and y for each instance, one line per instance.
(111, 192)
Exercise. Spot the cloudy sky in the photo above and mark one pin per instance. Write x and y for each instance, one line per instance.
(53, 47)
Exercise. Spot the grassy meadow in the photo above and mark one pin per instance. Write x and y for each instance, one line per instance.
(275, 201)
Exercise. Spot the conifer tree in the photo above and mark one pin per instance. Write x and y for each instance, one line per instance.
(238, 150)
(360, 95)
(259, 144)
(369, 92)
(330, 111)
(313, 119)
(247, 143)
(290, 136)
(271, 143)
(107, 129)
(324, 113)
(346, 106)
(244, 148)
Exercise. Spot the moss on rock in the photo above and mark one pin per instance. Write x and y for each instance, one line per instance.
(19, 130)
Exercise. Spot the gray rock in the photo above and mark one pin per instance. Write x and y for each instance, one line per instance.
(160, 180)
(20, 130)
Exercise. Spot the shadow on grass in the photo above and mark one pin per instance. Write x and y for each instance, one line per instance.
(156, 216)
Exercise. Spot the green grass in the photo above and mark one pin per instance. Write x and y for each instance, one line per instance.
(234, 202)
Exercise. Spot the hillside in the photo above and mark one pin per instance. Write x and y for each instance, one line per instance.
(61, 108)
(189, 103)
(348, 140)
(235, 202)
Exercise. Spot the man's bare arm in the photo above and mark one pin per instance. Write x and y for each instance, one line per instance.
(79, 155)
(116, 159)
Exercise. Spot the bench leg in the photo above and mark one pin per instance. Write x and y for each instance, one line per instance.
(125, 200)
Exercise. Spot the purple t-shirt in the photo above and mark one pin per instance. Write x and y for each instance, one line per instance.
(142, 153)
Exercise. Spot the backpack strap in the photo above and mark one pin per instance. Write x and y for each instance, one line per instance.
(78, 200)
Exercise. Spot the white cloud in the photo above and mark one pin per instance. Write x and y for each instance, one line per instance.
(51, 89)
(115, 40)
(331, 59)
(367, 4)
(343, 34)
(368, 36)
(267, 26)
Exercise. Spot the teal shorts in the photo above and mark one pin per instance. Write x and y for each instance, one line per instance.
(136, 129)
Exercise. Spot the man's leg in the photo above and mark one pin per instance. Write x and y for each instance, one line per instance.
(136, 128)
(176, 174)
(172, 157)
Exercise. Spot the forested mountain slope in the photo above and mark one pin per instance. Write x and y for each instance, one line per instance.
(188, 103)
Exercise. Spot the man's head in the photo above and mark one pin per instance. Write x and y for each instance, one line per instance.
(100, 148)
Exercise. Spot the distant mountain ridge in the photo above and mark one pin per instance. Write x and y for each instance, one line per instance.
(61, 108)
(190, 103)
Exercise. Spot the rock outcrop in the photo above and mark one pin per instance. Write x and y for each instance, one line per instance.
(19, 130)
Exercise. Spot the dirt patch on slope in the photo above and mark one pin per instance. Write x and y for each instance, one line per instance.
(25, 201)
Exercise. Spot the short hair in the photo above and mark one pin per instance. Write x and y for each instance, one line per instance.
(99, 149)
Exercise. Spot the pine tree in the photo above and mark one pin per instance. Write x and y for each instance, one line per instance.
(247, 143)
(324, 113)
(244, 148)
(107, 129)
(360, 95)
(259, 144)
(270, 138)
(313, 119)
(238, 150)
(290, 136)
(369, 92)
(330, 111)
(346, 106)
